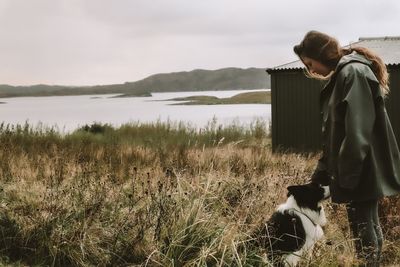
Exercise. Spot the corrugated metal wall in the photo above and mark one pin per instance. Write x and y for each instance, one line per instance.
(295, 111)
(393, 101)
(296, 121)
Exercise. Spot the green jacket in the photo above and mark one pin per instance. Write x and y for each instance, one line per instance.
(360, 159)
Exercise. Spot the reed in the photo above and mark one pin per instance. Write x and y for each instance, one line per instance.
(154, 195)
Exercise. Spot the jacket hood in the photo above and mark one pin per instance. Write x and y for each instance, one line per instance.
(350, 58)
(353, 57)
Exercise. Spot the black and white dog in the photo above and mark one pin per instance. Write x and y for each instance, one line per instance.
(295, 226)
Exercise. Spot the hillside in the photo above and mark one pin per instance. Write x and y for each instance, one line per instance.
(196, 80)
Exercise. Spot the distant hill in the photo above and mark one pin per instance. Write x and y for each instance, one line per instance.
(196, 80)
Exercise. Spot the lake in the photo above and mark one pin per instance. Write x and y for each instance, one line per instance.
(69, 112)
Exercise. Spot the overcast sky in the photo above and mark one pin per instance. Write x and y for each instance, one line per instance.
(88, 42)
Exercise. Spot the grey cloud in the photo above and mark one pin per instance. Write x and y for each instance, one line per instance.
(102, 41)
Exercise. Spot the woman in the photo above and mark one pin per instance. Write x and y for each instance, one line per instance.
(360, 160)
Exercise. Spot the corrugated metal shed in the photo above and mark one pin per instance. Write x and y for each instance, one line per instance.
(296, 122)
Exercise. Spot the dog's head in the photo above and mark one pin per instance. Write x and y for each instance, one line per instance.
(308, 195)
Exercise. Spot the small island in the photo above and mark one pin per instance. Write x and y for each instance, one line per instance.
(144, 94)
(258, 97)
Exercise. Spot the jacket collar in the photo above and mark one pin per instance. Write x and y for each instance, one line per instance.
(347, 59)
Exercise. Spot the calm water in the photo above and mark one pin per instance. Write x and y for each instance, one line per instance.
(69, 112)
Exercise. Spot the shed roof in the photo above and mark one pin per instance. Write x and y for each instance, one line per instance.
(388, 48)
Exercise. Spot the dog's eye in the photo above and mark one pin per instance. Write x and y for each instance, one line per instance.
(319, 209)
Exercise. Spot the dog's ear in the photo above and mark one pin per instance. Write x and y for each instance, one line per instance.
(300, 192)
(293, 190)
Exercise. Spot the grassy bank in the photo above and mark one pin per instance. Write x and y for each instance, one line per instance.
(154, 195)
(259, 97)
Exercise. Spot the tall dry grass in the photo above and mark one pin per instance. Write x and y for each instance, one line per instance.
(154, 195)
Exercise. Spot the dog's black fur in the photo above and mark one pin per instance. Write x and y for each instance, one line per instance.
(285, 232)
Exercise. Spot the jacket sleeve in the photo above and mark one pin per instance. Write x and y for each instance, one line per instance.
(359, 118)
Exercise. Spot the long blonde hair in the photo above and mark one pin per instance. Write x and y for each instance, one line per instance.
(326, 50)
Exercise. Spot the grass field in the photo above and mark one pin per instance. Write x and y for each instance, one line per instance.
(155, 195)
